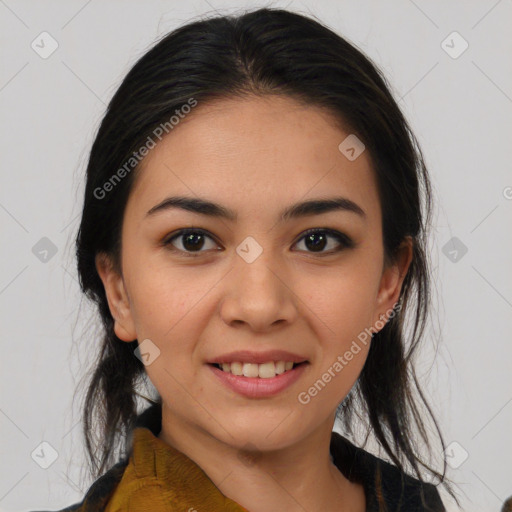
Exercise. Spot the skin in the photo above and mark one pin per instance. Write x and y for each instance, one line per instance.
(255, 156)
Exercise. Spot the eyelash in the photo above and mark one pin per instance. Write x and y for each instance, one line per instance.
(345, 241)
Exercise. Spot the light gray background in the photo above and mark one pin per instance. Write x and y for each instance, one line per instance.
(460, 109)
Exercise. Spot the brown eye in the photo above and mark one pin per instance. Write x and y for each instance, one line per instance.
(189, 241)
(194, 241)
(316, 240)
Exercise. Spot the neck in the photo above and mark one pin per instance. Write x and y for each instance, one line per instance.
(299, 477)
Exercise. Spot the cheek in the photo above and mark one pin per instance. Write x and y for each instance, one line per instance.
(162, 303)
(165, 311)
(342, 302)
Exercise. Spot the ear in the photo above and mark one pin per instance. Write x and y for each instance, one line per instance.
(391, 282)
(118, 301)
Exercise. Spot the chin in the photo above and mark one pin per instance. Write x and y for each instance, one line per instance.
(262, 437)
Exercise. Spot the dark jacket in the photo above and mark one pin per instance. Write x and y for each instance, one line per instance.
(400, 492)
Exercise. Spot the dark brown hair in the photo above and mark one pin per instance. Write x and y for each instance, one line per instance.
(265, 52)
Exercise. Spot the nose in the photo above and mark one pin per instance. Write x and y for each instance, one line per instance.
(258, 295)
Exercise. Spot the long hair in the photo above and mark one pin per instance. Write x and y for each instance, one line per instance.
(264, 52)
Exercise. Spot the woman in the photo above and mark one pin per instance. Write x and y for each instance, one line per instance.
(253, 234)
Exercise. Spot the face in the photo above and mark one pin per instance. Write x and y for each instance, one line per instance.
(254, 283)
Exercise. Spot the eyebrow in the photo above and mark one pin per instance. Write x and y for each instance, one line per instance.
(297, 210)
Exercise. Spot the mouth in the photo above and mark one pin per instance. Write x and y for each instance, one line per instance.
(267, 370)
(258, 380)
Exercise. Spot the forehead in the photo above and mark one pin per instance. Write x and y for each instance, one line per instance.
(254, 154)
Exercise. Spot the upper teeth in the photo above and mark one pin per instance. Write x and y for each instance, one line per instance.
(264, 371)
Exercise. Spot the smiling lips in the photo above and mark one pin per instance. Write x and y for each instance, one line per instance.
(258, 375)
(264, 365)
(264, 371)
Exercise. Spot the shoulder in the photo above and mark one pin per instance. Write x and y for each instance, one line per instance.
(102, 490)
(403, 491)
(386, 486)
